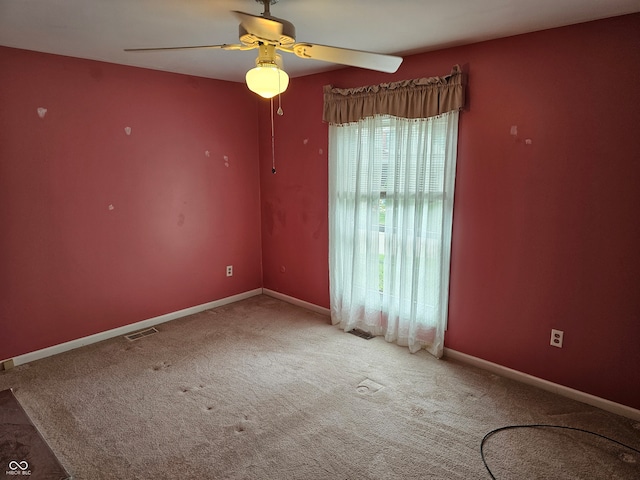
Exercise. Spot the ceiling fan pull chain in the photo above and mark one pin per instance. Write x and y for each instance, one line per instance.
(273, 142)
(280, 112)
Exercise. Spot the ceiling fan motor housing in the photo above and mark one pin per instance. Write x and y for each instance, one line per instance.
(286, 40)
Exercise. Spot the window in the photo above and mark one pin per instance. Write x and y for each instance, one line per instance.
(391, 202)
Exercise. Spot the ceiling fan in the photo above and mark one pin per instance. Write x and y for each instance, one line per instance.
(269, 34)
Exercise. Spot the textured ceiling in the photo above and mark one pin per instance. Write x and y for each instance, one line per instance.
(101, 29)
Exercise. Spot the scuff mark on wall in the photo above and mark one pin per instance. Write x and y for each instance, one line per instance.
(275, 217)
(312, 219)
(42, 112)
(127, 130)
(226, 161)
(181, 219)
(111, 207)
(268, 217)
(207, 153)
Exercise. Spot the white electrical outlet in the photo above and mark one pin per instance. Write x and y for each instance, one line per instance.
(556, 338)
(229, 270)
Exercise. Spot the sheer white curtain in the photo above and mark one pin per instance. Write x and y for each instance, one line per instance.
(391, 185)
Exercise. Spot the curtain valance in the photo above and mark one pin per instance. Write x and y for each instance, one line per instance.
(417, 98)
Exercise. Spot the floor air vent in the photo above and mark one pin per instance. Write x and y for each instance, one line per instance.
(142, 333)
(361, 333)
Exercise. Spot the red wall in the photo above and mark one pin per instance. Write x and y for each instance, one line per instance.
(294, 201)
(545, 235)
(70, 266)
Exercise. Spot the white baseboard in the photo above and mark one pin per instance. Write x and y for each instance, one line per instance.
(583, 397)
(98, 337)
(294, 301)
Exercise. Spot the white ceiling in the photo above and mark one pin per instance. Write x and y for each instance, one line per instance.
(101, 29)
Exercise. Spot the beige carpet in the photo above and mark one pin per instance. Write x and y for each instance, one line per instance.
(261, 389)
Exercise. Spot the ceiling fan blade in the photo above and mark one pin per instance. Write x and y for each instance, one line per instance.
(224, 46)
(261, 27)
(345, 56)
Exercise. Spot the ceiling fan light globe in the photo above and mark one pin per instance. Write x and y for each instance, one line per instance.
(267, 80)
